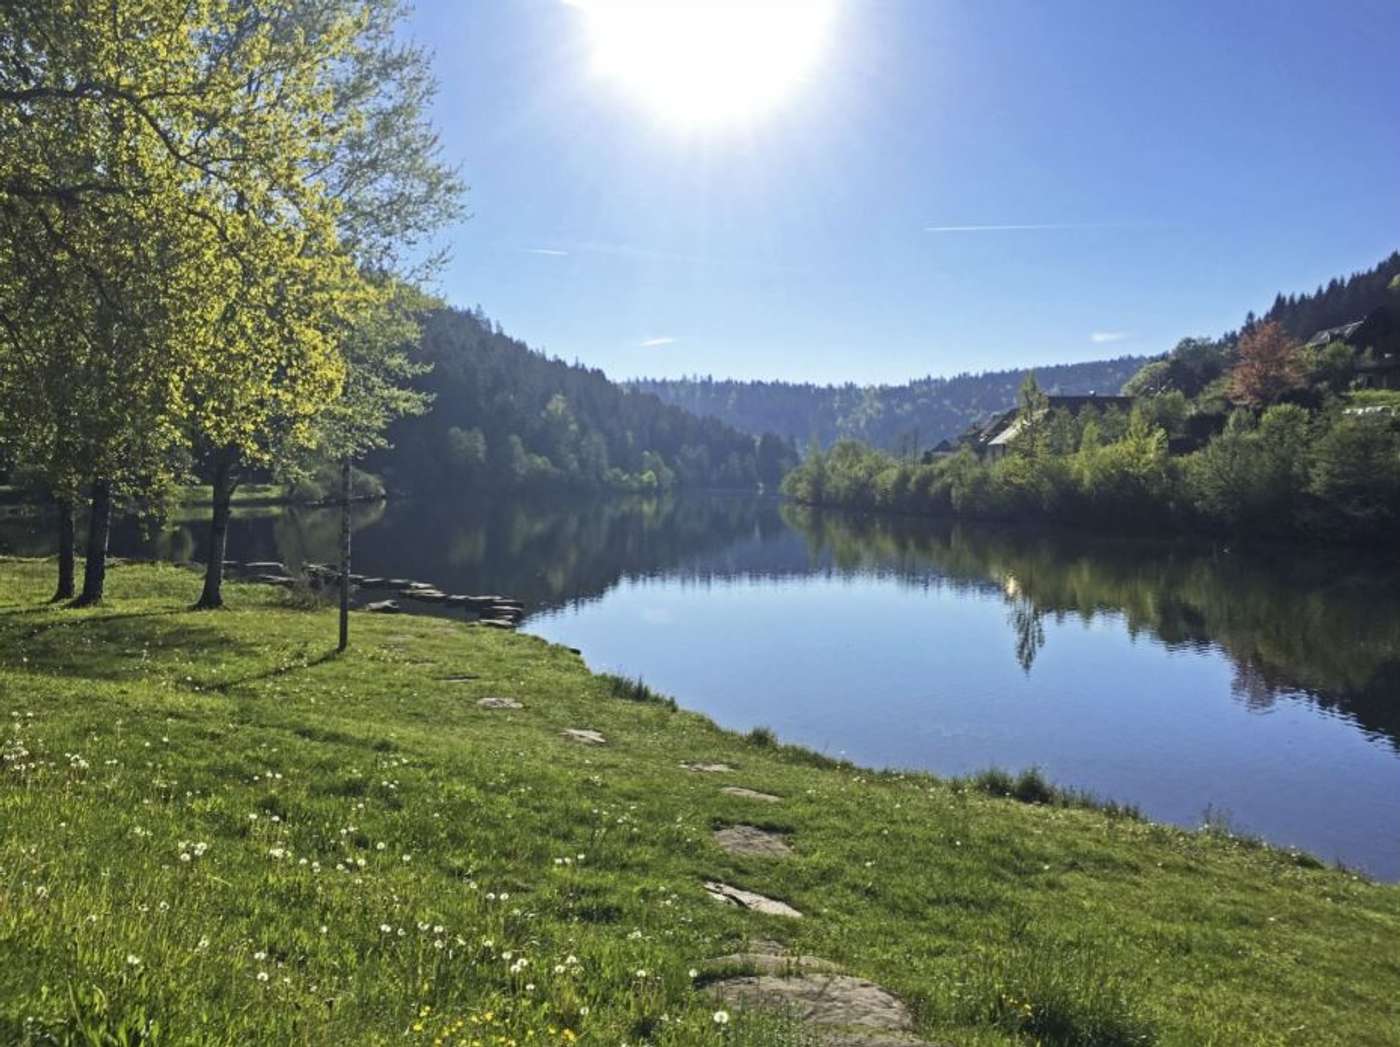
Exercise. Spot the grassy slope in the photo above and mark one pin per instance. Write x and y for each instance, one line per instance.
(146, 725)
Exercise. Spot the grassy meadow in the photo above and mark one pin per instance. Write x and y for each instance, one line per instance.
(214, 830)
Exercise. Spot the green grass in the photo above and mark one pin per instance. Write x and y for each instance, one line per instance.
(323, 799)
(1375, 398)
(243, 494)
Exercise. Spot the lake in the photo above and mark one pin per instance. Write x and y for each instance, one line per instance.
(1259, 689)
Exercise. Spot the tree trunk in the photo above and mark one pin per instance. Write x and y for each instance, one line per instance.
(99, 529)
(65, 550)
(223, 483)
(344, 554)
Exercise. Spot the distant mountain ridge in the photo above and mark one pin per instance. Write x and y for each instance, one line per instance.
(507, 416)
(908, 417)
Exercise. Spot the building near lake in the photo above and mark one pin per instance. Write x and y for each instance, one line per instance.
(992, 438)
(1376, 342)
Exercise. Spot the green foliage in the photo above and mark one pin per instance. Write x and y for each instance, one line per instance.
(507, 416)
(1329, 475)
(1355, 469)
(635, 690)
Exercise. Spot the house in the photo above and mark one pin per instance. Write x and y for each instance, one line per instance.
(1376, 342)
(996, 435)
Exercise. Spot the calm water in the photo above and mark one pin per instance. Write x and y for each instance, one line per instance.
(1263, 687)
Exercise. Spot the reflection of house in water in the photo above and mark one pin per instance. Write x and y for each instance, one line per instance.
(1376, 342)
(992, 438)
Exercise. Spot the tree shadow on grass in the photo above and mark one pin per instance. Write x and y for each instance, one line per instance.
(115, 646)
(271, 673)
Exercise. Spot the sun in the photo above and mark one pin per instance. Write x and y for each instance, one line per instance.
(708, 62)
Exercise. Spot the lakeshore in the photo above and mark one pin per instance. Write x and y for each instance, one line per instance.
(321, 799)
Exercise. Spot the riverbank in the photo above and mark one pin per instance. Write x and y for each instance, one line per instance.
(200, 496)
(169, 772)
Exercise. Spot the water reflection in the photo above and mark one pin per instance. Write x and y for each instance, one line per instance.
(1320, 625)
(1316, 625)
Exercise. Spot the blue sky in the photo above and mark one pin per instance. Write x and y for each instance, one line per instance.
(1180, 162)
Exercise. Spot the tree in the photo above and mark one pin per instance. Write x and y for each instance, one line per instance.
(110, 275)
(368, 162)
(1268, 365)
(1356, 471)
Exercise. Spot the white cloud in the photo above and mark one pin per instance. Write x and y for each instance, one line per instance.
(655, 343)
(547, 250)
(1103, 337)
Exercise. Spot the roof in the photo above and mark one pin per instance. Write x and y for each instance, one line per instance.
(1334, 334)
(1003, 435)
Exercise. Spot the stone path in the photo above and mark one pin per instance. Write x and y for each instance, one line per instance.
(750, 794)
(842, 1010)
(501, 703)
(751, 841)
(727, 894)
(584, 736)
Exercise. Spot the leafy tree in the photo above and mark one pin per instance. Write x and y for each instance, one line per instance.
(1357, 471)
(1268, 365)
(107, 224)
(364, 156)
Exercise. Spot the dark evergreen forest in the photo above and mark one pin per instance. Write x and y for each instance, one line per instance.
(506, 415)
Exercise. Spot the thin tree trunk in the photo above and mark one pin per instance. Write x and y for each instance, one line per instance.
(344, 554)
(65, 550)
(99, 529)
(223, 484)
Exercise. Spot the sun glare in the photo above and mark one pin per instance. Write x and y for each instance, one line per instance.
(705, 62)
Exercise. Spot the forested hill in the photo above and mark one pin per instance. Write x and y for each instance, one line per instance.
(506, 415)
(893, 417)
(1340, 302)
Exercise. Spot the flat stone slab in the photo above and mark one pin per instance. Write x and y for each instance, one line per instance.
(709, 768)
(496, 623)
(751, 841)
(500, 703)
(844, 1010)
(425, 595)
(383, 607)
(584, 737)
(750, 794)
(728, 894)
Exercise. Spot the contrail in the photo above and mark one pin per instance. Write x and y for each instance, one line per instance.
(1030, 227)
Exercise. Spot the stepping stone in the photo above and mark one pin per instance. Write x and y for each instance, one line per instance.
(844, 1010)
(750, 794)
(729, 895)
(709, 768)
(501, 703)
(584, 737)
(751, 841)
(384, 607)
(496, 623)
